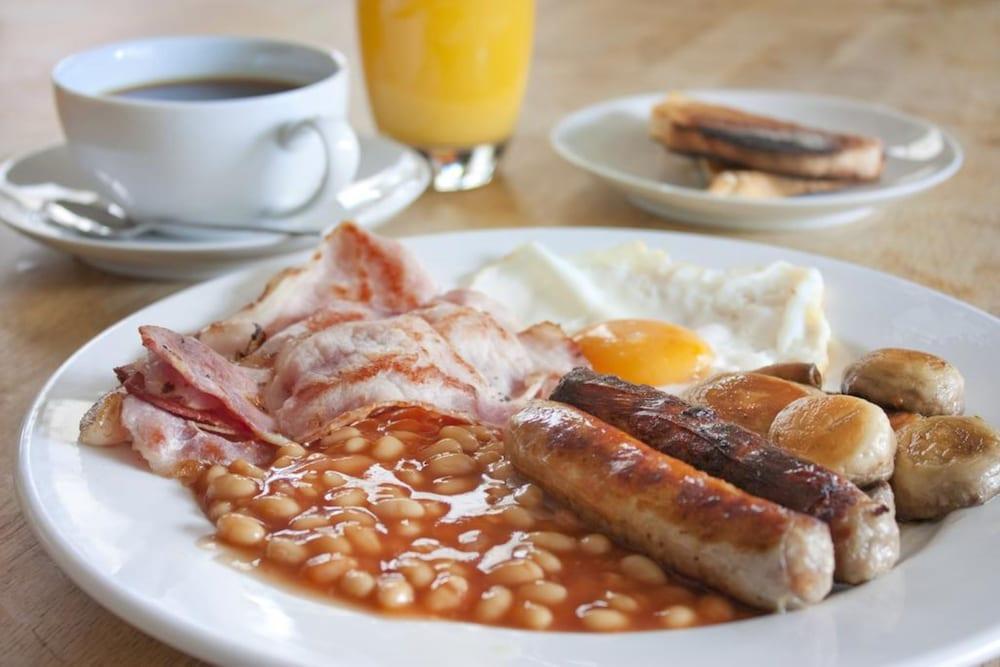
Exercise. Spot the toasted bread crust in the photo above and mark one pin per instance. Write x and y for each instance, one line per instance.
(763, 143)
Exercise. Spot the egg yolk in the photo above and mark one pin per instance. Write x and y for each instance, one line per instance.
(645, 351)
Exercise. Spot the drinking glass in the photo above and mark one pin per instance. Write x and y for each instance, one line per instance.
(447, 77)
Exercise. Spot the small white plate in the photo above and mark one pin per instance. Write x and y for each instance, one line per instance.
(131, 539)
(611, 140)
(51, 173)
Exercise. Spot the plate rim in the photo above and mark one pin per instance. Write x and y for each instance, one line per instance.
(194, 639)
(844, 199)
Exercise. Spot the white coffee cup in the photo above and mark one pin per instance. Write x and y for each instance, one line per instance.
(222, 161)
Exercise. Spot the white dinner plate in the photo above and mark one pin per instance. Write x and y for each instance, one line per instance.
(27, 181)
(134, 541)
(611, 140)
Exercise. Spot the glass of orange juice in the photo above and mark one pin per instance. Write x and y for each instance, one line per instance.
(448, 77)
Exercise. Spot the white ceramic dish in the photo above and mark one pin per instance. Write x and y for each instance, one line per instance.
(132, 540)
(51, 173)
(611, 140)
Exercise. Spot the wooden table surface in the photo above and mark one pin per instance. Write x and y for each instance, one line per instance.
(938, 60)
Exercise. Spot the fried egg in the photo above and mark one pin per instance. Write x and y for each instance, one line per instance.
(638, 314)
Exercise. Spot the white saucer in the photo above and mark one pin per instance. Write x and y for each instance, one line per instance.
(51, 173)
(611, 140)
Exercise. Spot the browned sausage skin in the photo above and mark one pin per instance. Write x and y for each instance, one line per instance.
(702, 527)
(865, 536)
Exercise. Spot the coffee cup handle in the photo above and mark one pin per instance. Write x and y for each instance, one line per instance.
(341, 154)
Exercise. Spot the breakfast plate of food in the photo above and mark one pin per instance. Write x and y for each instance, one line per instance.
(756, 159)
(549, 446)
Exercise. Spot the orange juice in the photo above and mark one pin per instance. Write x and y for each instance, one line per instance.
(446, 73)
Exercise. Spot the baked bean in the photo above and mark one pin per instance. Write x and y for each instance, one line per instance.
(292, 450)
(247, 469)
(211, 472)
(388, 448)
(595, 544)
(391, 492)
(364, 539)
(327, 568)
(241, 530)
(642, 569)
(393, 591)
(547, 560)
(715, 609)
(352, 497)
(518, 517)
(494, 603)
(604, 620)
(417, 572)
(398, 508)
(357, 583)
(282, 462)
(622, 602)
(354, 445)
(409, 528)
(434, 508)
(552, 541)
(309, 521)
(486, 458)
(481, 432)
(414, 478)
(446, 594)
(339, 435)
(530, 495)
(228, 486)
(353, 515)
(218, 508)
(352, 464)
(501, 469)
(332, 479)
(330, 544)
(285, 551)
(543, 592)
(405, 436)
(449, 464)
(533, 615)
(677, 616)
(514, 572)
(275, 508)
(450, 486)
(468, 441)
(443, 446)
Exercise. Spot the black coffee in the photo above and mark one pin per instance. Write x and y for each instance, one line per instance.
(199, 90)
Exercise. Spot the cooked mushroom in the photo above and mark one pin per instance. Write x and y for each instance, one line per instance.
(900, 418)
(102, 425)
(907, 380)
(881, 492)
(944, 463)
(846, 434)
(795, 371)
(748, 399)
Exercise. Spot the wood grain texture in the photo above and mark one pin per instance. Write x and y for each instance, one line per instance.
(938, 60)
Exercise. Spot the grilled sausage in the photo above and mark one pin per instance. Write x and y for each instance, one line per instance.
(795, 371)
(702, 527)
(865, 537)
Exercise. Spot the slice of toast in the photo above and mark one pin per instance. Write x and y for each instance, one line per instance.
(758, 142)
(728, 181)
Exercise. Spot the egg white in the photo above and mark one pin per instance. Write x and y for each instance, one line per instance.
(750, 316)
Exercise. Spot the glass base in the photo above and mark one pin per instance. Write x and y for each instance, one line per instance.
(457, 169)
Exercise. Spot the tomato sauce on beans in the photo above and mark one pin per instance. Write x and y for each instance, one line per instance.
(409, 512)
